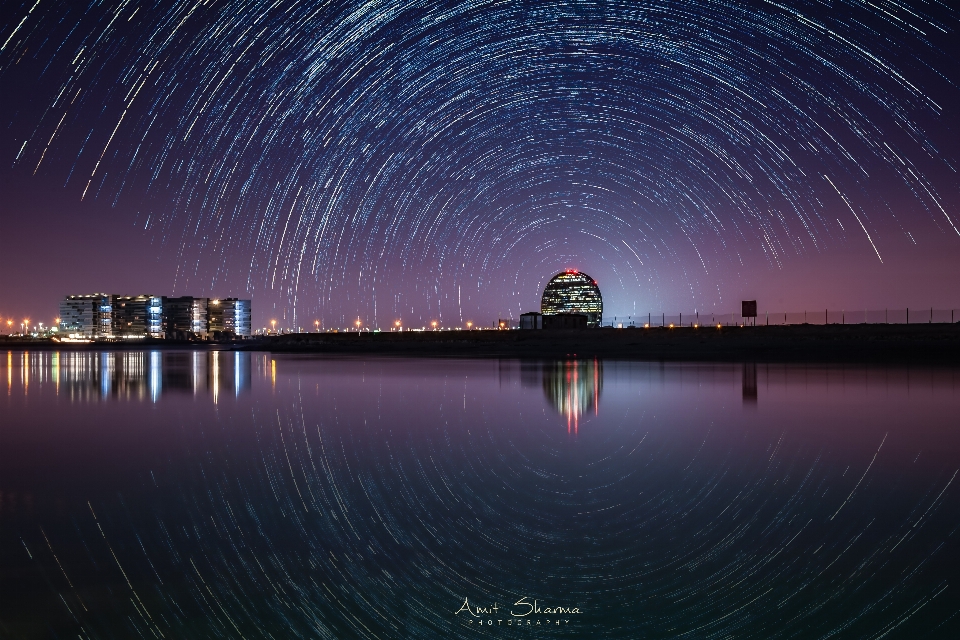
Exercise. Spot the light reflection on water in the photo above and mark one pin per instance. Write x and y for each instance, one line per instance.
(129, 375)
(571, 386)
(369, 497)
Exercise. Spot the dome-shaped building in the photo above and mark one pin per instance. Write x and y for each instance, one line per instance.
(573, 292)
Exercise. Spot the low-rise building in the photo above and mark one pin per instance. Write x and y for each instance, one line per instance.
(137, 316)
(229, 317)
(566, 321)
(106, 316)
(185, 318)
(86, 316)
(531, 320)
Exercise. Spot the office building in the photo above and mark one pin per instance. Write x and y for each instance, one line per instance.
(229, 317)
(572, 292)
(86, 316)
(137, 316)
(105, 317)
(185, 317)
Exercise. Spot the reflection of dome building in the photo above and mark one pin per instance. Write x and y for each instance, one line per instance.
(573, 388)
(573, 292)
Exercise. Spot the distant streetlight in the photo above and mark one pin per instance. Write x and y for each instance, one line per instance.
(358, 323)
(469, 324)
(397, 324)
(434, 325)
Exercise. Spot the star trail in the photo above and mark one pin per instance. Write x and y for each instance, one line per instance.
(441, 161)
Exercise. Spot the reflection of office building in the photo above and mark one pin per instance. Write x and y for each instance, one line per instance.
(750, 383)
(147, 375)
(229, 317)
(572, 387)
(572, 292)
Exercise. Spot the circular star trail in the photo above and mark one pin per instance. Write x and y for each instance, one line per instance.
(421, 161)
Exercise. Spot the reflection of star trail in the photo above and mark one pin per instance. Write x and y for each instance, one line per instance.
(366, 498)
(329, 154)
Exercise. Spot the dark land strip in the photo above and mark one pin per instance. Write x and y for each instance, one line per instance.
(919, 343)
(933, 343)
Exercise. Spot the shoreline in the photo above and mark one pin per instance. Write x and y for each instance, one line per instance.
(919, 343)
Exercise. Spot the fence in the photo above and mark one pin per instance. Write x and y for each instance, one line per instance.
(823, 316)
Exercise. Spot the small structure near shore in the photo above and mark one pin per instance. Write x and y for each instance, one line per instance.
(534, 320)
(531, 320)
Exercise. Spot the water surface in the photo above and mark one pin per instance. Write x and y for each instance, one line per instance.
(216, 494)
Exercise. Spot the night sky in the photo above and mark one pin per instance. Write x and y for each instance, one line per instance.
(441, 161)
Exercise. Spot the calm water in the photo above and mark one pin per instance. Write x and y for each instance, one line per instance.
(201, 495)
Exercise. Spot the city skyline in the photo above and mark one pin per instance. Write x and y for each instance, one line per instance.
(382, 162)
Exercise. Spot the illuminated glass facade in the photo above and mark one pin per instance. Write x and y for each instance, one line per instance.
(105, 329)
(573, 292)
(155, 317)
(102, 316)
(137, 316)
(230, 317)
(186, 317)
(86, 316)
